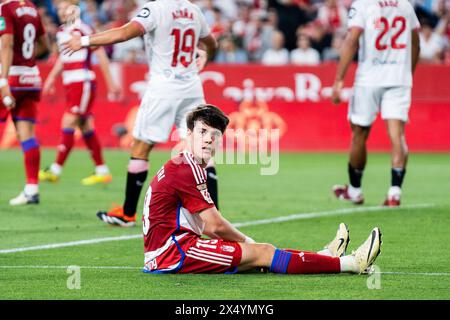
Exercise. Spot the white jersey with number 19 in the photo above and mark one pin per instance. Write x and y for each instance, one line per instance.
(385, 45)
(173, 28)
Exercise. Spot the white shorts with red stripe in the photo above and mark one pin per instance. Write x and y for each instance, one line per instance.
(192, 254)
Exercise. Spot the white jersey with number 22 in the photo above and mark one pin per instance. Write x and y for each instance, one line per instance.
(173, 28)
(385, 44)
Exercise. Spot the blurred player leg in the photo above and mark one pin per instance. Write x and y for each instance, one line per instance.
(394, 110)
(363, 109)
(305, 262)
(396, 133)
(31, 151)
(125, 216)
(102, 174)
(136, 176)
(68, 124)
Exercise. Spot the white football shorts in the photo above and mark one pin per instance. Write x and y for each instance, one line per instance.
(366, 102)
(156, 117)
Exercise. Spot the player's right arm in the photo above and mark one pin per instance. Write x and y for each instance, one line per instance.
(217, 227)
(415, 44)
(49, 85)
(126, 32)
(356, 25)
(348, 51)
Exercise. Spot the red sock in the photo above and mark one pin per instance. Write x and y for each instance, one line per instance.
(308, 262)
(90, 138)
(66, 146)
(298, 262)
(32, 159)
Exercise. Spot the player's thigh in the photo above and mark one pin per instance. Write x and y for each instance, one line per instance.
(80, 98)
(364, 105)
(211, 256)
(155, 119)
(395, 103)
(186, 106)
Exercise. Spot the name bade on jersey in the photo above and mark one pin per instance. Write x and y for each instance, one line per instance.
(22, 11)
(388, 3)
(182, 14)
(2, 24)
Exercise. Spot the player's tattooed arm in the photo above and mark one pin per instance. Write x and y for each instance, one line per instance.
(209, 44)
(6, 58)
(348, 51)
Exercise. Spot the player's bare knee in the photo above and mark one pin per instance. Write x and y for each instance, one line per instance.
(265, 254)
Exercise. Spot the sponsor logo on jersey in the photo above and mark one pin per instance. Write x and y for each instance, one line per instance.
(2, 24)
(144, 13)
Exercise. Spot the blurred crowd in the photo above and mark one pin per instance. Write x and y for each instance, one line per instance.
(271, 32)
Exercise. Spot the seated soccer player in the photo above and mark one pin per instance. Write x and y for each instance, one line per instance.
(178, 211)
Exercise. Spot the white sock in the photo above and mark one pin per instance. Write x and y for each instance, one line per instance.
(31, 189)
(56, 169)
(348, 264)
(394, 192)
(325, 252)
(102, 170)
(354, 192)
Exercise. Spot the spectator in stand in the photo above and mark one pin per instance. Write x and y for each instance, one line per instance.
(229, 52)
(304, 54)
(332, 53)
(258, 37)
(220, 25)
(277, 54)
(333, 16)
(291, 15)
(432, 44)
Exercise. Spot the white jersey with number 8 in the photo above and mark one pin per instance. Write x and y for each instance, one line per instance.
(385, 44)
(173, 29)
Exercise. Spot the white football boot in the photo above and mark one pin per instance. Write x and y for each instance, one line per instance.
(366, 254)
(338, 245)
(23, 199)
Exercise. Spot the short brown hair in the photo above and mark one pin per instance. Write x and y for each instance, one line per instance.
(209, 115)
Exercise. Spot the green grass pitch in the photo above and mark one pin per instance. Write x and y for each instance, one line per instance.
(414, 262)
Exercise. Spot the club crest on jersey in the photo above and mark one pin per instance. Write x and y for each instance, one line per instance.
(227, 248)
(145, 12)
(2, 24)
(201, 187)
(351, 13)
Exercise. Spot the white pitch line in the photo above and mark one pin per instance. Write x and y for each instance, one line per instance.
(300, 216)
(346, 211)
(431, 274)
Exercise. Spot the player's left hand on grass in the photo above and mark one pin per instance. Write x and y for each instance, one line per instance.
(73, 45)
(7, 98)
(336, 94)
(202, 58)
